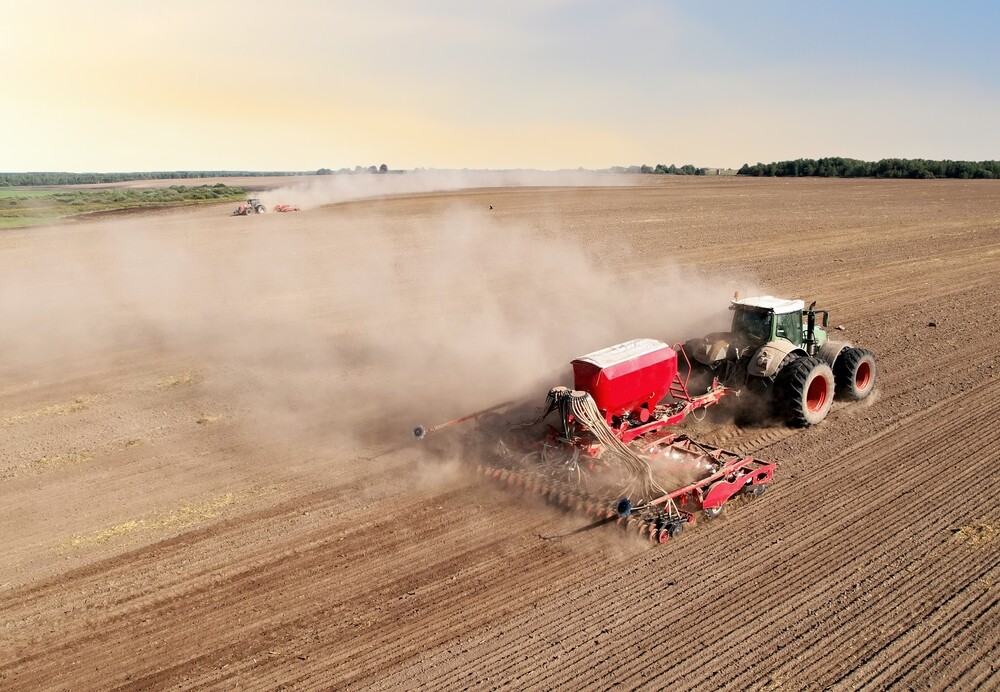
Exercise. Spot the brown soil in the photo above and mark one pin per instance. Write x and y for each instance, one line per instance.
(207, 478)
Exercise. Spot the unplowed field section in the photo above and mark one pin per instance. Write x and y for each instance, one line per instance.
(207, 479)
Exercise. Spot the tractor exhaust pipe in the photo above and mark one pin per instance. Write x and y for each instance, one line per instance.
(811, 329)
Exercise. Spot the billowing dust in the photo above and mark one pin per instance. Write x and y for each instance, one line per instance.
(345, 188)
(349, 328)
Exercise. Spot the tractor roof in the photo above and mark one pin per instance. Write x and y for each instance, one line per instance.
(776, 305)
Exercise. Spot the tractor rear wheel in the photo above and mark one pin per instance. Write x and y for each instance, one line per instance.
(855, 372)
(805, 390)
(261, 209)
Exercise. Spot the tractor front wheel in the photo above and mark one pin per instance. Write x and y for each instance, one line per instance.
(805, 389)
(855, 373)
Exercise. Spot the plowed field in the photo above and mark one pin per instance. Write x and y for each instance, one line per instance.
(208, 480)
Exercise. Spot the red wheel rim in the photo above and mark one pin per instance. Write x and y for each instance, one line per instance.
(863, 376)
(816, 394)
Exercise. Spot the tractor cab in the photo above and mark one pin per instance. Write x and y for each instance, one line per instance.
(764, 319)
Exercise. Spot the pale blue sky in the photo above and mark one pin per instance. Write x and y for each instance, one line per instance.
(303, 84)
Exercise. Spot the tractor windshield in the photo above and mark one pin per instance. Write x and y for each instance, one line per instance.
(756, 325)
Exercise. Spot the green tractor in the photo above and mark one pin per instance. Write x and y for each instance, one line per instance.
(252, 206)
(776, 349)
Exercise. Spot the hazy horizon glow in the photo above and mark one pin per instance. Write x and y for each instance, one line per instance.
(111, 85)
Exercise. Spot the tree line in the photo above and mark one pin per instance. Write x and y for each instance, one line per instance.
(357, 169)
(660, 169)
(837, 167)
(49, 178)
(61, 178)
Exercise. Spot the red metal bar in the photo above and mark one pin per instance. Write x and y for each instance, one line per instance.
(743, 470)
(420, 431)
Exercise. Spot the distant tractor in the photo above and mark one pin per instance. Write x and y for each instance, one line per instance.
(775, 349)
(252, 206)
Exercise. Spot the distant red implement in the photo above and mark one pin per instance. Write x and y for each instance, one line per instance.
(286, 207)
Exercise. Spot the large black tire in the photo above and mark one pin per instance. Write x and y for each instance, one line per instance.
(804, 389)
(855, 372)
(261, 209)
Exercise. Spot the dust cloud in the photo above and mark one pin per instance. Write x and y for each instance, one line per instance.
(350, 327)
(333, 189)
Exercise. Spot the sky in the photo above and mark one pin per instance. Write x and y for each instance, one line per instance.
(119, 85)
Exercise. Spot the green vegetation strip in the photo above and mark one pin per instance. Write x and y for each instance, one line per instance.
(30, 207)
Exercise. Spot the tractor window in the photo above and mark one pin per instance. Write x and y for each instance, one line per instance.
(756, 325)
(789, 326)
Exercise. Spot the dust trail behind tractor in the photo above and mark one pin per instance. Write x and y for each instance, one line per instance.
(605, 448)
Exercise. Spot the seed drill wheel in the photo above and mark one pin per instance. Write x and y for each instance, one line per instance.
(714, 512)
(805, 389)
(855, 372)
